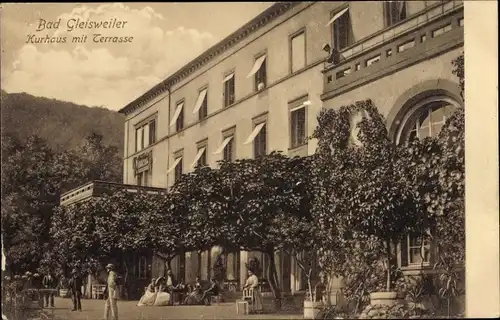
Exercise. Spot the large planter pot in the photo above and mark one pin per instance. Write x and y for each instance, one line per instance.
(312, 309)
(384, 298)
(63, 293)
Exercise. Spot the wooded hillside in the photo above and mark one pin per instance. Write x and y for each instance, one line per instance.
(64, 125)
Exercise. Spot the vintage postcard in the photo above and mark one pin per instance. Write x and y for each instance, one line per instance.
(249, 160)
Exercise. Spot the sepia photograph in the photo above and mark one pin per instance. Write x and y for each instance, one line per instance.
(249, 160)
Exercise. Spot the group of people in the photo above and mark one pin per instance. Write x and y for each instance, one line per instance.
(75, 283)
(161, 292)
(50, 285)
(199, 296)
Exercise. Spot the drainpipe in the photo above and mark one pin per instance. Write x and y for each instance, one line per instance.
(168, 132)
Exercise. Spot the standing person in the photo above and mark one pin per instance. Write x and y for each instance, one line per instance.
(253, 282)
(170, 280)
(112, 293)
(171, 285)
(49, 282)
(75, 287)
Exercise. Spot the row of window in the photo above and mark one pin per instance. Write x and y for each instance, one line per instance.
(394, 12)
(258, 137)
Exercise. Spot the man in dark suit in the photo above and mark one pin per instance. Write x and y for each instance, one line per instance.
(75, 287)
(49, 282)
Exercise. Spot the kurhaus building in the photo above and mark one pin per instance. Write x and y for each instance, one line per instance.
(261, 89)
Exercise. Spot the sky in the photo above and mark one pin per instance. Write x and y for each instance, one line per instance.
(165, 36)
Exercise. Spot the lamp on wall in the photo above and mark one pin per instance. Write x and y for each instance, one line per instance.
(327, 48)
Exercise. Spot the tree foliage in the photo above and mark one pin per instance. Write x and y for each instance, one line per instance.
(368, 192)
(33, 178)
(64, 125)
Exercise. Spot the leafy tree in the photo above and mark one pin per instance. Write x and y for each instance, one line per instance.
(370, 196)
(294, 226)
(119, 224)
(33, 177)
(257, 191)
(100, 162)
(75, 241)
(29, 192)
(198, 198)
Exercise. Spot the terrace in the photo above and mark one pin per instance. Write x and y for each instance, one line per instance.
(418, 38)
(97, 188)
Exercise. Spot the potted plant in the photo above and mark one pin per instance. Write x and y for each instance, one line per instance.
(313, 302)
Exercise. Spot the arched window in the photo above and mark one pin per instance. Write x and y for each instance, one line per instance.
(424, 119)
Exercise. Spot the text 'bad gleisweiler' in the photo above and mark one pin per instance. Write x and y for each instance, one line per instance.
(74, 24)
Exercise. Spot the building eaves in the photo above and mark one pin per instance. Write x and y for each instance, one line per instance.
(259, 21)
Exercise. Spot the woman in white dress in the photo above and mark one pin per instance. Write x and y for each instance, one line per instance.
(162, 297)
(149, 297)
(253, 282)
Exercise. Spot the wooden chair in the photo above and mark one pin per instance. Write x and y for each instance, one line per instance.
(98, 291)
(246, 301)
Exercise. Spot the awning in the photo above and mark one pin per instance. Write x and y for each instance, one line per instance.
(229, 77)
(176, 162)
(223, 145)
(256, 66)
(177, 113)
(336, 16)
(199, 102)
(198, 156)
(254, 133)
(302, 105)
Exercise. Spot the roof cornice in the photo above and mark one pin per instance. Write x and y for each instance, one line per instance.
(256, 23)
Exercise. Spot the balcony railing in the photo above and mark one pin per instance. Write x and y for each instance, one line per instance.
(98, 188)
(394, 44)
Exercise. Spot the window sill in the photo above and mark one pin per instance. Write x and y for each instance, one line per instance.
(299, 146)
(300, 151)
(415, 269)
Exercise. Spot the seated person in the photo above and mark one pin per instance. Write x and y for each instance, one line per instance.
(212, 291)
(179, 290)
(194, 297)
(162, 294)
(149, 297)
